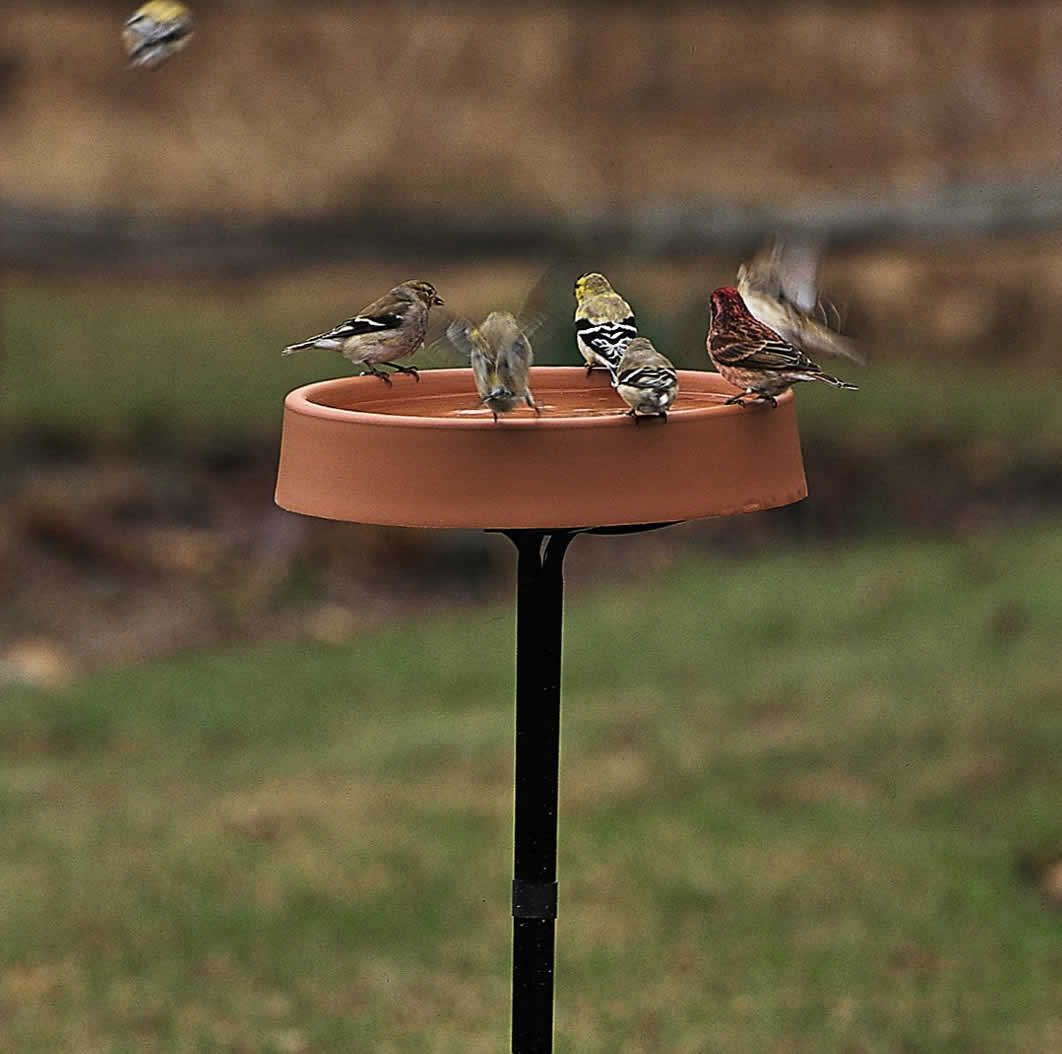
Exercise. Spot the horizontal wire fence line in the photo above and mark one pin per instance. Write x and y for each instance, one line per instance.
(57, 240)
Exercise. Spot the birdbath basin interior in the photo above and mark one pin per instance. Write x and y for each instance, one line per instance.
(426, 454)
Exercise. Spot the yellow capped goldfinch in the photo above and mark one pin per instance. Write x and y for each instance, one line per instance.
(754, 358)
(390, 328)
(500, 352)
(646, 380)
(778, 286)
(604, 322)
(157, 31)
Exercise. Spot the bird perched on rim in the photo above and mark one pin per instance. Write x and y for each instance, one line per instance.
(778, 286)
(604, 322)
(156, 32)
(751, 356)
(390, 328)
(499, 349)
(646, 380)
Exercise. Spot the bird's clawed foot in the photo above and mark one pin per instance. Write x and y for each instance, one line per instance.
(377, 373)
(412, 370)
(760, 397)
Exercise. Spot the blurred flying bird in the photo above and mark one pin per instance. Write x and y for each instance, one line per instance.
(499, 349)
(390, 328)
(752, 356)
(778, 286)
(156, 32)
(604, 322)
(646, 380)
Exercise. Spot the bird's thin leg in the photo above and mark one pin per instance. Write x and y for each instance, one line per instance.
(412, 370)
(738, 400)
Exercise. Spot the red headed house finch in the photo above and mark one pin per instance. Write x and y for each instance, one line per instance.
(751, 356)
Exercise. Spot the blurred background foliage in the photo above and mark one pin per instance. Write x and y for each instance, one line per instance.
(163, 235)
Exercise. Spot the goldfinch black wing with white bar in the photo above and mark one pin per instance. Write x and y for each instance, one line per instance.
(334, 339)
(602, 342)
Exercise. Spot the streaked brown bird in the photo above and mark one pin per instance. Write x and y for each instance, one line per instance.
(752, 356)
(390, 328)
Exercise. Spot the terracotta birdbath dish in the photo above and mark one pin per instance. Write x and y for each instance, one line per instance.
(424, 453)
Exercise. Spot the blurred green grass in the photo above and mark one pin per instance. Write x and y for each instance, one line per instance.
(794, 794)
(177, 368)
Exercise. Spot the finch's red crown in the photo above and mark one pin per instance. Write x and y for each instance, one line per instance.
(727, 302)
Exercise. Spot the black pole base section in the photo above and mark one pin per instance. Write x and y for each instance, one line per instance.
(539, 615)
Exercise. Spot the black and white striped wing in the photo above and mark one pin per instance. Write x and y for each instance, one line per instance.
(649, 378)
(359, 324)
(334, 339)
(605, 341)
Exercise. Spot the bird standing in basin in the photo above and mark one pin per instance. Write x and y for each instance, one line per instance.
(604, 322)
(156, 31)
(499, 350)
(778, 286)
(390, 328)
(752, 356)
(646, 380)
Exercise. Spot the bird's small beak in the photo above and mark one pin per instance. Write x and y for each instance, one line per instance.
(438, 300)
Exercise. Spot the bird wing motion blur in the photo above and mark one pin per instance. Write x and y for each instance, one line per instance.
(778, 285)
(500, 354)
(156, 32)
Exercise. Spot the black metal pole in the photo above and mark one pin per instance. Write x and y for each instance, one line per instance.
(539, 616)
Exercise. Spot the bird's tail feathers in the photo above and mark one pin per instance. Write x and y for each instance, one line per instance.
(314, 342)
(836, 382)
